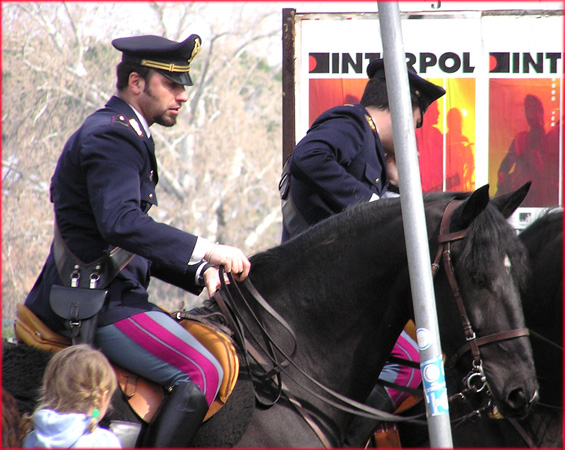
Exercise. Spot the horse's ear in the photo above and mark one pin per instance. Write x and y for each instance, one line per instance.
(507, 203)
(473, 206)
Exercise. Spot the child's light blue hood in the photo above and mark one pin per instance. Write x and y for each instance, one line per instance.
(54, 430)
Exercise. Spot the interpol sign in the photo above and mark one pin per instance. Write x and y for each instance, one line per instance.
(448, 62)
(499, 69)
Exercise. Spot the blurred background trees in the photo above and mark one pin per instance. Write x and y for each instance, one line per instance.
(219, 166)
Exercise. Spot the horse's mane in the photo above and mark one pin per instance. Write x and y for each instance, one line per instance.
(480, 251)
(546, 226)
(347, 223)
(543, 240)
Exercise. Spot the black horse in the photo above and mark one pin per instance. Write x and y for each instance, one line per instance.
(343, 289)
(543, 309)
(542, 300)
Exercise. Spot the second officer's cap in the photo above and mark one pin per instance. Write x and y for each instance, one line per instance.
(426, 92)
(170, 58)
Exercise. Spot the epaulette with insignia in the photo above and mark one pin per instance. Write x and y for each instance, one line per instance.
(123, 120)
(371, 123)
(135, 125)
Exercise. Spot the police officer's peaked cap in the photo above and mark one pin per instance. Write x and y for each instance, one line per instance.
(426, 92)
(170, 58)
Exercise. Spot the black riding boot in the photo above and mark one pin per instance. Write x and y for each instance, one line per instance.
(178, 418)
(361, 428)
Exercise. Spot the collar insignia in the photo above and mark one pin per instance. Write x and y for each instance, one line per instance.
(371, 123)
(135, 125)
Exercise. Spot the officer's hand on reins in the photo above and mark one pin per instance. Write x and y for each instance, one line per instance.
(231, 258)
(212, 280)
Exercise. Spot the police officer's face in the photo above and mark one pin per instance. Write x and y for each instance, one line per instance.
(384, 125)
(418, 117)
(161, 100)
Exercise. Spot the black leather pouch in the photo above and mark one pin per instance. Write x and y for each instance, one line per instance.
(79, 307)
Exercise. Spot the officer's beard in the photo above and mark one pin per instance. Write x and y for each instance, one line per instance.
(164, 119)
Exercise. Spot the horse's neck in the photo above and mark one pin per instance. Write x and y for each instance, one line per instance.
(345, 293)
(342, 325)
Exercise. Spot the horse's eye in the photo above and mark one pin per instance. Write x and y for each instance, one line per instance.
(481, 280)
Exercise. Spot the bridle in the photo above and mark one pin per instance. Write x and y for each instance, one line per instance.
(236, 324)
(473, 343)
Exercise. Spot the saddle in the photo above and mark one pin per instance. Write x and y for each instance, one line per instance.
(143, 396)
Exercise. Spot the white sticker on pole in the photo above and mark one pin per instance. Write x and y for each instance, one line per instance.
(424, 338)
(435, 387)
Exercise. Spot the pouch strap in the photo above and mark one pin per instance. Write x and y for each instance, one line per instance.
(95, 275)
(294, 221)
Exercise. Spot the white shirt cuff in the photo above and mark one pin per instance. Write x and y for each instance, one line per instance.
(199, 250)
(199, 273)
(389, 194)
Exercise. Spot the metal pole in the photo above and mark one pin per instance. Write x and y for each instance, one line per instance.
(414, 220)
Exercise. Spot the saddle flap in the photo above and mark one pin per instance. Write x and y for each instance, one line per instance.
(223, 350)
(29, 329)
(144, 396)
(386, 436)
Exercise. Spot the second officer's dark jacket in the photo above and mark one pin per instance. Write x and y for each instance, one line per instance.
(338, 163)
(102, 189)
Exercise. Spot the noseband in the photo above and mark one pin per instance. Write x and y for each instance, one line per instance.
(473, 342)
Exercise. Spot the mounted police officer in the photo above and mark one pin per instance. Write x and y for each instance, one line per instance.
(348, 157)
(102, 188)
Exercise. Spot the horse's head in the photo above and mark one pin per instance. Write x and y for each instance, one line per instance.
(489, 264)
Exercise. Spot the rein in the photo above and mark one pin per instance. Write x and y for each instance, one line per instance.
(233, 315)
(545, 340)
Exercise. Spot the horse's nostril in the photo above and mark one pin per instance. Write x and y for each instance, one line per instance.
(517, 399)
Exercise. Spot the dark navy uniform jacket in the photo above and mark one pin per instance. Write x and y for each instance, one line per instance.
(102, 188)
(338, 163)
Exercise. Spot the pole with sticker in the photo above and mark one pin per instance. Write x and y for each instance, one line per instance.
(413, 217)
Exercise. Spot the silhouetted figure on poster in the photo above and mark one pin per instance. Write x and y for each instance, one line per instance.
(350, 99)
(460, 154)
(523, 161)
(550, 167)
(430, 151)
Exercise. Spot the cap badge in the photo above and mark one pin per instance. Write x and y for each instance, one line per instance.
(195, 50)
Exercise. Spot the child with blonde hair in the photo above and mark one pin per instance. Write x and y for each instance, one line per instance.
(78, 385)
